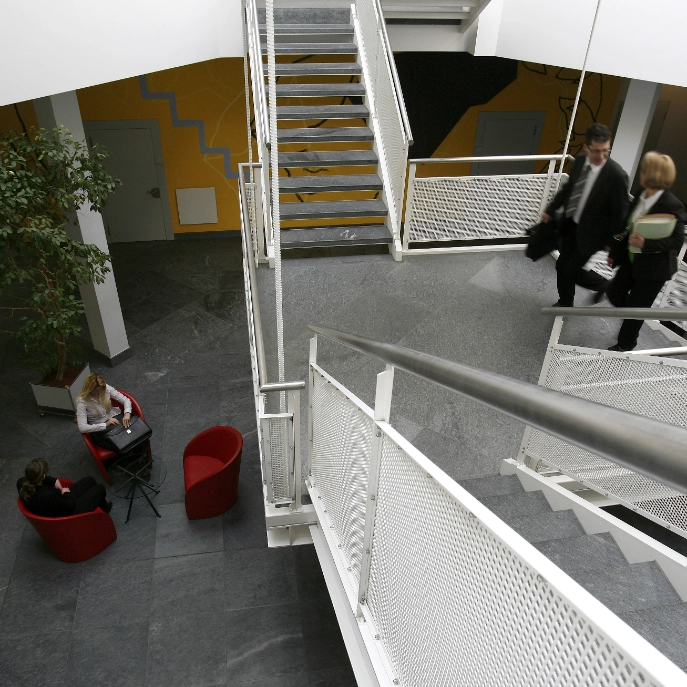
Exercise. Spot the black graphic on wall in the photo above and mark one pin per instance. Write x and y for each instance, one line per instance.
(439, 87)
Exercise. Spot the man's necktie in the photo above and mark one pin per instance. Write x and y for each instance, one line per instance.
(577, 191)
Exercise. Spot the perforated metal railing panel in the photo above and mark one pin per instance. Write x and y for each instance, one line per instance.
(677, 295)
(469, 208)
(656, 389)
(281, 454)
(342, 440)
(453, 605)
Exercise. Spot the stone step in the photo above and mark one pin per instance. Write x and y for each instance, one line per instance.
(492, 485)
(582, 554)
(305, 29)
(325, 134)
(665, 627)
(316, 69)
(519, 505)
(313, 49)
(322, 112)
(328, 158)
(319, 16)
(333, 209)
(295, 90)
(347, 235)
(343, 182)
(633, 588)
(562, 524)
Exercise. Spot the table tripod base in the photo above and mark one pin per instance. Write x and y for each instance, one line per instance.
(142, 486)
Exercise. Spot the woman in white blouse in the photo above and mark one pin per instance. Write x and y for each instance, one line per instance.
(95, 413)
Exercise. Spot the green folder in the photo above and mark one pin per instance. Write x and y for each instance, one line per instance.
(653, 227)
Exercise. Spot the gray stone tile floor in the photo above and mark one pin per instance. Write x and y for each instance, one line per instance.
(482, 309)
(171, 603)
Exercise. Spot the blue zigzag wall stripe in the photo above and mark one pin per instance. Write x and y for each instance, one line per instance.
(198, 123)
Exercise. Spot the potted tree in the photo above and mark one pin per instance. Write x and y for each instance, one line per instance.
(45, 177)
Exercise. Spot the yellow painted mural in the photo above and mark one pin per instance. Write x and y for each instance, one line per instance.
(537, 88)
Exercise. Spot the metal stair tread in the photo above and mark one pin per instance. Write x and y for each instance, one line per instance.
(583, 554)
(328, 134)
(304, 29)
(333, 209)
(636, 587)
(287, 90)
(330, 157)
(313, 49)
(316, 68)
(322, 112)
(333, 182)
(321, 237)
(663, 626)
(518, 505)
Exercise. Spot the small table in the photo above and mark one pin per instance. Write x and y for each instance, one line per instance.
(136, 477)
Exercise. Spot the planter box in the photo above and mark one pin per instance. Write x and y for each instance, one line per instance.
(52, 398)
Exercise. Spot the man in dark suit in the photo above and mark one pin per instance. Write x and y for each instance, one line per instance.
(594, 202)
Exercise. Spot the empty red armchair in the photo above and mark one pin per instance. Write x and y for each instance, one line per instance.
(212, 461)
(73, 538)
(102, 454)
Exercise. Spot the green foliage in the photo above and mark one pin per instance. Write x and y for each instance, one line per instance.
(45, 178)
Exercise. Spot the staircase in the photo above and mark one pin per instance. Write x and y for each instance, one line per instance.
(331, 189)
(638, 593)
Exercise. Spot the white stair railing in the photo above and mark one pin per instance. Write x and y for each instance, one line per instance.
(388, 117)
(475, 208)
(431, 588)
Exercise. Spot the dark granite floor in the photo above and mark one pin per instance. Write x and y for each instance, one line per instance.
(171, 602)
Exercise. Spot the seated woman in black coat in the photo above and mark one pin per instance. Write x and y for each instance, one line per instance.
(45, 496)
(641, 275)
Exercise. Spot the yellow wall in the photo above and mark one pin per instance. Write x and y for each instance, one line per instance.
(9, 120)
(210, 91)
(537, 88)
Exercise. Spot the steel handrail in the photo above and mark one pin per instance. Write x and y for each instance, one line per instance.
(394, 74)
(488, 158)
(252, 276)
(670, 314)
(650, 447)
(258, 73)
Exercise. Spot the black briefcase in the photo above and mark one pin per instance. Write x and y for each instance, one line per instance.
(543, 239)
(125, 438)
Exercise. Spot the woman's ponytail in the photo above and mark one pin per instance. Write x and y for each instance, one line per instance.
(34, 473)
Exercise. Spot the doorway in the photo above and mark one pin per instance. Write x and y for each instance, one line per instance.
(139, 209)
(507, 133)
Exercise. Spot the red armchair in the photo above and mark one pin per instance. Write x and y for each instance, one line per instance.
(73, 538)
(102, 454)
(212, 461)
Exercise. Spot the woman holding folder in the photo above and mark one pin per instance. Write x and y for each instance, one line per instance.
(646, 252)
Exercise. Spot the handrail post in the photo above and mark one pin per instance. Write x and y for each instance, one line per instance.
(409, 206)
(294, 407)
(385, 384)
(311, 388)
(547, 186)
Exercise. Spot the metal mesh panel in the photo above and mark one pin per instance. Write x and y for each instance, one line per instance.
(252, 217)
(281, 454)
(342, 440)
(469, 208)
(598, 263)
(653, 389)
(454, 606)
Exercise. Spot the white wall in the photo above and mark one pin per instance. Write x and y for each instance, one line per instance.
(633, 38)
(50, 47)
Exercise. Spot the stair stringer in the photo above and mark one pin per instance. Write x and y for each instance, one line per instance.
(636, 546)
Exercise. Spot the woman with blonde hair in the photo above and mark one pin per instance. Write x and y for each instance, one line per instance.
(641, 275)
(95, 413)
(45, 495)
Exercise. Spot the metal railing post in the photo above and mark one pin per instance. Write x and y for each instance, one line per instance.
(547, 186)
(382, 411)
(409, 205)
(311, 388)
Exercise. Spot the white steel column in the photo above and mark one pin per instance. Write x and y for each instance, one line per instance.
(101, 301)
(634, 124)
